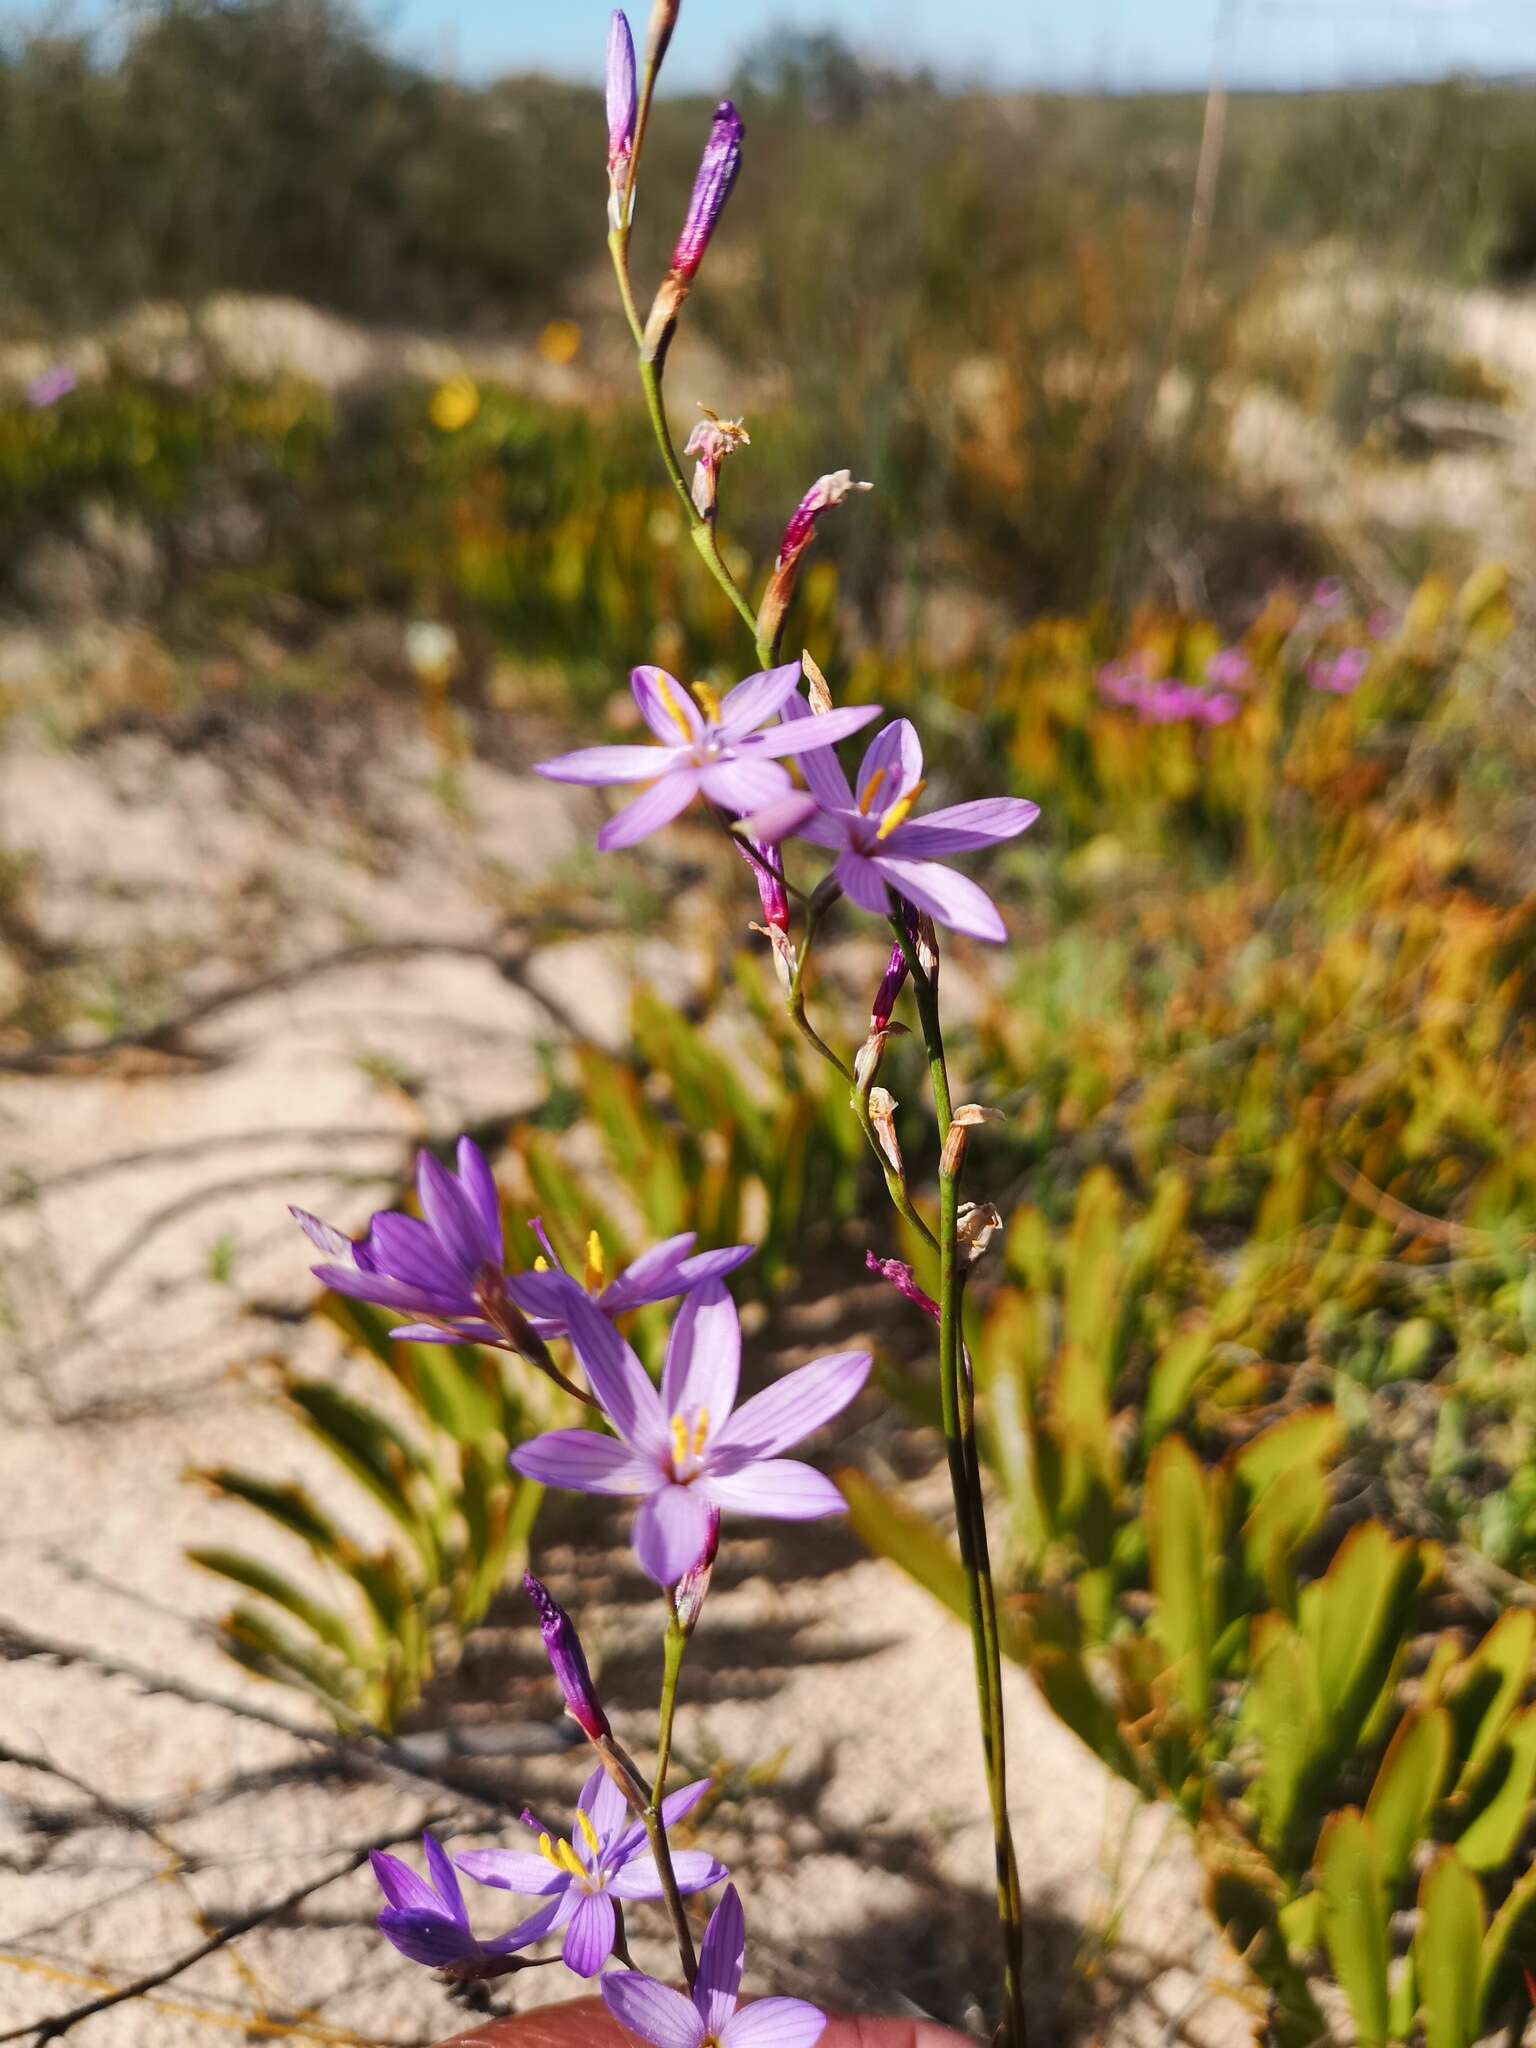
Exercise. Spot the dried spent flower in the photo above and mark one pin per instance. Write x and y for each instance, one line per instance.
(882, 1116)
(568, 1661)
(693, 1586)
(826, 492)
(975, 1227)
(904, 1280)
(817, 693)
(711, 441)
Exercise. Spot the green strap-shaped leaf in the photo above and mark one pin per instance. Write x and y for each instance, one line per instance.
(1448, 1949)
(282, 1502)
(1509, 1950)
(1483, 1693)
(1180, 1366)
(1354, 1919)
(375, 1453)
(1355, 1620)
(1407, 1787)
(1280, 1714)
(1502, 1798)
(1177, 1515)
(256, 1577)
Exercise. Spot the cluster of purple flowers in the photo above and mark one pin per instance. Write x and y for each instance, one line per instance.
(1167, 701)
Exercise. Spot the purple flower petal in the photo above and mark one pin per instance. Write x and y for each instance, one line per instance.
(703, 1356)
(600, 767)
(775, 2023)
(648, 1278)
(695, 1870)
(953, 900)
(323, 1236)
(427, 1938)
(400, 1884)
(787, 1412)
(822, 729)
(409, 1251)
(781, 1489)
(386, 1293)
(543, 1922)
(620, 1382)
(479, 1184)
(863, 883)
(513, 1870)
(452, 1214)
(589, 1938)
(781, 820)
(461, 1333)
(582, 1462)
(714, 1265)
(660, 804)
(604, 1805)
(895, 755)
(666, 706)
(540, 1294)
(671, 1532)
(653, 2011)
(755, 700)
(822, 770)
(722, 1955)
(444, 1876)
(962, 828)
(745, 783)
(674, 1808)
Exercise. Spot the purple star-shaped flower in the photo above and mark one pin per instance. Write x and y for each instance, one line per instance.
(665, 1271)
(605, 1859)
(429, 1923)
(446, 1270)
(689, 1450)
(882, 857)
(656, 2013)
(721, 754)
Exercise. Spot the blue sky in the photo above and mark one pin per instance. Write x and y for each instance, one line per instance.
(1091, 44)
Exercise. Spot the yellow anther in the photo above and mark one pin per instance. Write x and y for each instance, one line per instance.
(700, 1432)
(708, 702)
(679, 1441)
(866, 801)
(596, 1267)
(899, 812)
(588, 1832)
(547, 1850)
(570, 1860)
(679, 716)
(541, 1264)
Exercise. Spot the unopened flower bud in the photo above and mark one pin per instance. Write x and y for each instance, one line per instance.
(786, 961)
(621, 115)
(882, 1115)
(975, 1227)
(712, 184)
(688, 1599)
(568, 1661)
(768, 873)
(826, 492)
(904, 1280)
(711, 441)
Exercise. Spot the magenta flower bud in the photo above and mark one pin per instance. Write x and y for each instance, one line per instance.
(826, 492)
(568, 1661)
(711, 188)
(904, 1280)
(768, 873)
(621, 113)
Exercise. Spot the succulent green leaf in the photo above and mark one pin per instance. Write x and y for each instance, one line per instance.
(1354, 1920)
(1483, 1693)
(1407, 1788)
(1502, 1798)
(1448, 1948)
(1183, 1568)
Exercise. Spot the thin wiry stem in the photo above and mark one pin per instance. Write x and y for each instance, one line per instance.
(673, 1646)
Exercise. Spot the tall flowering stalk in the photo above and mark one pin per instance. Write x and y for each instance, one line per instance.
(888, 863)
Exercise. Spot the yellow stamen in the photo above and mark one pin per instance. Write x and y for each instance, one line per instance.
(541, 1264)
(866, 801)
(570, 1860)
(595, 1264)
(899, 812)
(679, 716)
(709, 703)
(679, 1440)
(700, 1432)
(547, 1851)
(588, 1832)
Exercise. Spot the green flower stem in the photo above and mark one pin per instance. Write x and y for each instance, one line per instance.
(673, 1645)
(958, 1399)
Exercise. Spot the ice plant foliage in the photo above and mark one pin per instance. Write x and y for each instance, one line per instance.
(689, 1449)
(654, 2012)
(725, 751)
(604, 1861)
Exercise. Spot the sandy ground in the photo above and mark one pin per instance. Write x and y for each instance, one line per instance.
(148, 1277)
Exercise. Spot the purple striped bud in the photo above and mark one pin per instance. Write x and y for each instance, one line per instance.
(688, 1599)
(568, 1661)
(711, 188)
(892, 982)
(621, 114)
